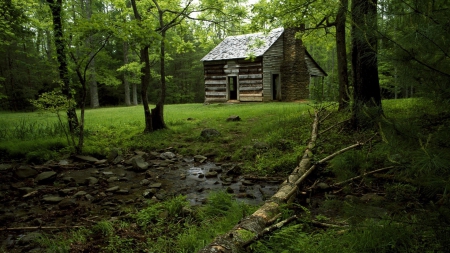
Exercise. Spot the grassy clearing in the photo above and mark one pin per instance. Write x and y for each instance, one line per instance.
(278, 128)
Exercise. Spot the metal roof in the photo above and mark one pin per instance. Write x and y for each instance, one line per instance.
(242, 46)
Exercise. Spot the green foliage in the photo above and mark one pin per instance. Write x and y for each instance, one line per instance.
(348, 165)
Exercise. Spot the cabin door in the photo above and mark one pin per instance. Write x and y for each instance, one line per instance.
(232, 88)
(276, 87)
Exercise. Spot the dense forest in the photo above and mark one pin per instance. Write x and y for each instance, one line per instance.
(371, 176)
(100, 43)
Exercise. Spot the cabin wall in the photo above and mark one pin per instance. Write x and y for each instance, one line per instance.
(272, 63)
(215, 81)
(249, 78)
(294, 72)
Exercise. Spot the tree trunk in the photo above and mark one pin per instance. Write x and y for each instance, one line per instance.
(56, 9)
(341, 50)
(366, 86)
(134, 92)
(126, 84)
(158, 111)
(145, 76)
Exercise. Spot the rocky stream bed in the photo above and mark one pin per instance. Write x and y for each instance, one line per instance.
(80, 190)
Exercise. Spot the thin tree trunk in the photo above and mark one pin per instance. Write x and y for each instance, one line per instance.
(126, 84)
(134, 92)
(56, 10)
(145, 76)
(341, 50)
(93, 88)
(158, 111)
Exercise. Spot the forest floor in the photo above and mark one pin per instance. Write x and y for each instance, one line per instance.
(128, 200)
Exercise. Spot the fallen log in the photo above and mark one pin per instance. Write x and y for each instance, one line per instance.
(253, 225)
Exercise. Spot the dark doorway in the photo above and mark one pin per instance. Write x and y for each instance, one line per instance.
(232, 87)
(276, 93)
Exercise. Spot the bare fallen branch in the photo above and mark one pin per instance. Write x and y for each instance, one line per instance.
(363, 175)
(37, 228)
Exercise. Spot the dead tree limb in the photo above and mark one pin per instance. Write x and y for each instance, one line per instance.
(363, 175)
(251, 226)
(37, 228)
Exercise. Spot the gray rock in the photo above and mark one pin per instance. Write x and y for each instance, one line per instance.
(182, 176)
(91, 181)
(112, 179)
(201, 175)
(200, 158)
(234, 118)
(25, 171)
(67, 203)
(123, 191)
(25, 190)
(322, 186)
(89, 197)
(107, 173)
(168, 155)
(4, 167)
(67, 191)
(68, 179)
(80, 194)
(118, 159)
(209, 133)
(139, 164)
(247, 182)
(155, 185)
(113, 153)
(211, 174)
(229, 190)
(144, 182)
(148, 193)
(113, 189)
(87, 158)
(63, 162)
(29, 238)
(52, 199)
(46, 177)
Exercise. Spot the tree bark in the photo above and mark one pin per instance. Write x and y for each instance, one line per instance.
(56, 10)
(145, 76)
(126, 84)
(366, 86)
(253, 225)
(341, 49)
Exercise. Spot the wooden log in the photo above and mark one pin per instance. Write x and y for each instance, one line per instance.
(251, 88)
(215, 88)
(250, 81)
(215, 93)
(253, 225)
(215, 81)
(254, 76)
(250, 95)
(251, 99)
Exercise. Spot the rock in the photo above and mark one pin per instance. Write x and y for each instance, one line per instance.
(144, 182)
(247, 182)
(322, 186)
(46, 177)
(101, 162)
(229, 190)
(113, 189)
(200, 158)
(63, 162)
(155, 185)
(260, 145)
(52, 199)
(87, 158)
(107, 173)
(112, 179)
(209, 133)
(80, 194)
(139, 164)
(167, 155)
(91, 181)
(29, 238)
(217, 169)
(123, 191)
(113, 153)
(241, 188)
(68, 179)
(67, 191)
(148, 193)
(89, 197)
(182, 176)
(118, 159)
(25, 190)
(25, 171)
(211, 174)
(67, 203)
(234, 118)
(371, 197)
(201, 175)
(5, 167)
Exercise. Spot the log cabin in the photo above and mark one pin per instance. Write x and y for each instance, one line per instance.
(260, 67)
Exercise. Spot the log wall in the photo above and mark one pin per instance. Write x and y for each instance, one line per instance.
(272, 63)
(249, 76)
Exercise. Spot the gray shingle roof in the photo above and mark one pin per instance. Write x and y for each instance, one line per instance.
(241, 46)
